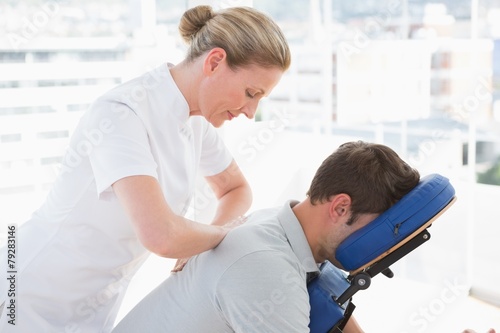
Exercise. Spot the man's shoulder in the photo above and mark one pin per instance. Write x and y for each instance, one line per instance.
(260, 242)
(261, 231)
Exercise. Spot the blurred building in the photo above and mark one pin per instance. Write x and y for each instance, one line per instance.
(47, 80)
(405, 69)
(392, 68)
(386, 81)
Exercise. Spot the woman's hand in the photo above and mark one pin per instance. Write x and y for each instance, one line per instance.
(235, 223)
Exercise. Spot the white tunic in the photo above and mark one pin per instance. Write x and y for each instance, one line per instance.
(78, 252)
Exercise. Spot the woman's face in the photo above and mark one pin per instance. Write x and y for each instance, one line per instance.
(225, 93)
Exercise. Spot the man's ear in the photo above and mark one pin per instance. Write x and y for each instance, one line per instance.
(213, 60)
(340, 205)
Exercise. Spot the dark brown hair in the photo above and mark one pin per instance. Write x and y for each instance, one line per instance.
(373, 175)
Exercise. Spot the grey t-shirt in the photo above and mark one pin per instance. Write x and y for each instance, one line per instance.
(254, 281)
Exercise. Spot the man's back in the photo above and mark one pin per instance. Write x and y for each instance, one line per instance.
(254, 281)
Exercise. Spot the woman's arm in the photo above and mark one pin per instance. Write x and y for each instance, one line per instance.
(232, 192)
(158, 228)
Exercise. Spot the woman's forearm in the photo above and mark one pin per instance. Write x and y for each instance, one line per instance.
(232, 205)
(157, 227)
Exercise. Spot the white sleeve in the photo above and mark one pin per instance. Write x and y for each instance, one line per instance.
(121, 147)
(215, 156)
(257, 294)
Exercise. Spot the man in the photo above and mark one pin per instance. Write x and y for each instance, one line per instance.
(255, 280)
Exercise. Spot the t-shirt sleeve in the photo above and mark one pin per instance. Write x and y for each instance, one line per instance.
(257, 294)
(121, 146)
(215, 156)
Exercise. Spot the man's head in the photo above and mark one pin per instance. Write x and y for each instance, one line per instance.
(373, 175)
(353, 186)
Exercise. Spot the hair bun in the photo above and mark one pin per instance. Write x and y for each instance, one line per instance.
(193, 20)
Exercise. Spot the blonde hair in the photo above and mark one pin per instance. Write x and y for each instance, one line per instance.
(247, 35)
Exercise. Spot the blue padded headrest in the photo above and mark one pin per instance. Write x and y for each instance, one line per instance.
(418, 206)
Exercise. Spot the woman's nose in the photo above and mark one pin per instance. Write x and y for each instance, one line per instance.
(250, 109)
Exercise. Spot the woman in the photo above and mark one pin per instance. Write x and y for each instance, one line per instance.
(130, 170)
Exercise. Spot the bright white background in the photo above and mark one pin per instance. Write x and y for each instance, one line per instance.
(418, 77)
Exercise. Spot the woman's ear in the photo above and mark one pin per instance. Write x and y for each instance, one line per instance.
(213, 60)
